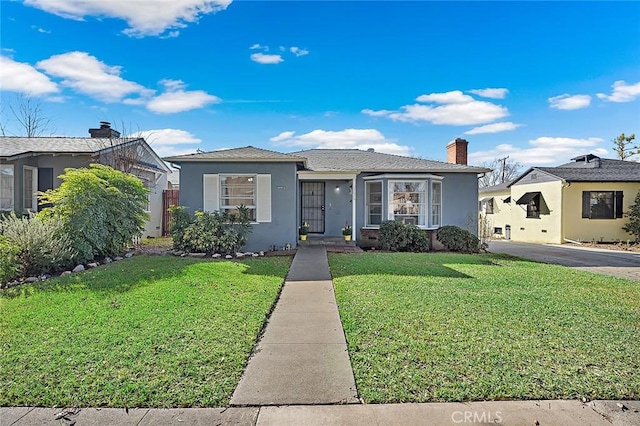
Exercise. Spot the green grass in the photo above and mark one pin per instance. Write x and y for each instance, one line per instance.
(454, 327)
(143, 332)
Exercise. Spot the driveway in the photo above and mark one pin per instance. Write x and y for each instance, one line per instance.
(608, 262)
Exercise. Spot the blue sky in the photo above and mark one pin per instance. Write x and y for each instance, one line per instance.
(540, 82)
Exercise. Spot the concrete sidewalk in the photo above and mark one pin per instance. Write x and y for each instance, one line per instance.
(552, 412)
(302, 357)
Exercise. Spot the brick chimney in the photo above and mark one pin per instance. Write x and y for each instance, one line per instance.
(457, 151)
(105, 131)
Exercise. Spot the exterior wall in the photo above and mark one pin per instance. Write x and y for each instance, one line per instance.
(283, 227)
(61, 162)
(153, 227)
(548, 227)
(608, 230)
(502, 212)
(460, 200)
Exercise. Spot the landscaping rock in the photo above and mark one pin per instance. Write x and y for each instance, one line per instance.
(261, 253)
(65, 273)
(78, 268)
(117, 258)
(216, 255)
(239, 254)
(31, 279)
(255, 255)
(107, 260)
(128, 254)
(13, 283)
(197, 254)
(45, 277)
(92, 265)
(228, 256)
(177, 252)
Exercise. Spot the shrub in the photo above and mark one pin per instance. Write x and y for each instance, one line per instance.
(458, 239)
(9, 267)
(210, 232)
(40, 245)
(396, 236)
(101, 208)
(633, 227)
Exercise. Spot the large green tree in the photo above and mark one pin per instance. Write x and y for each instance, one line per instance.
(624, 147)
(102, 209)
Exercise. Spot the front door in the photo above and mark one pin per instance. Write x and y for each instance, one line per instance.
(313, 206)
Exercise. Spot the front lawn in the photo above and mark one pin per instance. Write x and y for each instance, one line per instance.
(142, 332)
(455, 327)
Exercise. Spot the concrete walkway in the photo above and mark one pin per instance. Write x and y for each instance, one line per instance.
(529, 413)
(302, 357)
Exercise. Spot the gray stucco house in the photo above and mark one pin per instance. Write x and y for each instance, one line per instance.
(328, 188)
(32, 165)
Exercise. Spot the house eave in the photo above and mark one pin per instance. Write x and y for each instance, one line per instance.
(179, 160)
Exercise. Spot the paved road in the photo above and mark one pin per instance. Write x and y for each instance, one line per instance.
(608, 262)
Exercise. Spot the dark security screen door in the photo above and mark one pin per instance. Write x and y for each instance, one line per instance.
(313, 206)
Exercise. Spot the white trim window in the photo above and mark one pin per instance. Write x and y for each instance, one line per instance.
(6, 187)
(236, 190)
(408, 202)
(373, 191)
(30, 188)
(436, 203)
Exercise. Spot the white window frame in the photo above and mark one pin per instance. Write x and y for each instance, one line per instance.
(369, 204)
(13, 188)
(224, 207)
(423, 215)
(34, 189)
(434, 203)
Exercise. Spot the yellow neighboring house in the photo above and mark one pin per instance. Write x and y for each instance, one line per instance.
(584, 200)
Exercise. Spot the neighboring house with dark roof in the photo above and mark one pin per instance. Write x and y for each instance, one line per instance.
(495, 204)
(32, 165)
(330, 188)
(583, 200)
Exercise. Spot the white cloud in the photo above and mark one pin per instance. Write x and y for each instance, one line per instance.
(258, 46)
(493, 128)
(452, 108)
(298, 51)
(342, 139)
(569, 102)
(622, 92)
(22, 77)
(453, 97)
(261, 58)
(542, 151)
(176, 99)
(86, 74)
(159, 137)
(144, 17)
(493, 93)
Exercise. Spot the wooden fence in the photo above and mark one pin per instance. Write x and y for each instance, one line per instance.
(170, 197)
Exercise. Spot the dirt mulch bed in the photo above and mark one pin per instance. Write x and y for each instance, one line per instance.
(633, 247)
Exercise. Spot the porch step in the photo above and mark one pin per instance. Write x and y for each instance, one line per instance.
(326, 241)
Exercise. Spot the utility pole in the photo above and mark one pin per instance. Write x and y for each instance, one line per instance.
(503, 160)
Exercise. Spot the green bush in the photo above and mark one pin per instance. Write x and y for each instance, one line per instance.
(396, 236)
(101, 208)
(458, 239)
(40, 245)
(633, 227)
(9, 267)
(219, 232)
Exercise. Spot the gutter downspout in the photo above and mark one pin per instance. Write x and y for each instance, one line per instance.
(353, 209)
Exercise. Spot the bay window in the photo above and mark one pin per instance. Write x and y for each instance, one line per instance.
(436, 203)
(407, 202)
(374, 203)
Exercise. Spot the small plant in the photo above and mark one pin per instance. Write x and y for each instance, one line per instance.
(8, 264)
(346, 230)
(396, 236)
(303, 229)
(40, 245)
(458, 239)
